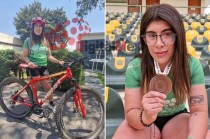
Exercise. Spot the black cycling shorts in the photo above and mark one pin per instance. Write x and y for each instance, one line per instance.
(40, 71)
(161, 121)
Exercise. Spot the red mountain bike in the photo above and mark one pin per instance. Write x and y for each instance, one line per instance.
(79, 112)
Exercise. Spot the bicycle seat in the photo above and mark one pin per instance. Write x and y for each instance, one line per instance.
(22, 65)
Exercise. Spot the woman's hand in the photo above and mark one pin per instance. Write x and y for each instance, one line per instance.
(61, 62)
(152, 103)
(32, 65)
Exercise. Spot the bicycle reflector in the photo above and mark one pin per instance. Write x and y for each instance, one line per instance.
(68, 73)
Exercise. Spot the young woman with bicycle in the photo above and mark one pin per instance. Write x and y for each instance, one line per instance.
(36, 52)
(79, 112)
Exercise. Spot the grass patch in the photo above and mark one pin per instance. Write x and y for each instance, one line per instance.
(101, 77)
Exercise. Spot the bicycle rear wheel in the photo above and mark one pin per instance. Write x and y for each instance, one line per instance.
(69, 119)
(8, 87)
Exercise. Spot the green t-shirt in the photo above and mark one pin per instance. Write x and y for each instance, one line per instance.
(133, 80)
(38, 54)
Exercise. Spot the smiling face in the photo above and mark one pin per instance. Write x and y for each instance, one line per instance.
(38, 29)
(162, 53)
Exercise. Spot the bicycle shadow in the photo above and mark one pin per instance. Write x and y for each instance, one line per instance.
(32, 127)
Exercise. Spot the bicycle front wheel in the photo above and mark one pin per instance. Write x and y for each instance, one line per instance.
(15, 107)
(69, 119)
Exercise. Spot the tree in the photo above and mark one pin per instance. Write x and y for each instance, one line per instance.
(86, 6)
(22, 21)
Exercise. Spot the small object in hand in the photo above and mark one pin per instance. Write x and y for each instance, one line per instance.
(160, 83)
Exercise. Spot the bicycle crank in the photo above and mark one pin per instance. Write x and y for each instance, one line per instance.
(38, 110)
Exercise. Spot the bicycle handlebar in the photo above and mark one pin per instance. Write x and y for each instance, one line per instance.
(75, 61)
(70, 63)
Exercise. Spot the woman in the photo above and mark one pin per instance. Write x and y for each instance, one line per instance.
(149, 113)
(38, 53)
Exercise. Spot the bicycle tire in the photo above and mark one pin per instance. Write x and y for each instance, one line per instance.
(97, 123)
(18, 111)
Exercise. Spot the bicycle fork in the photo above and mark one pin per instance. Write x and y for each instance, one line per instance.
(79, 102)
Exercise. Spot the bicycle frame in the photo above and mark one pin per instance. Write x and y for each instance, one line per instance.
(64, 75)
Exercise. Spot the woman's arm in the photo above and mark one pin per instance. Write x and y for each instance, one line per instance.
(133, 107)
(26, 59)
(151, 103)
(198, 121)
(53, 59)
(25, 55)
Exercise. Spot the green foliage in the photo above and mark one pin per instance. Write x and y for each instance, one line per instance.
(101, 77)
(16, 60)
(6, 57)
(64, 54)
(22, 21)
(9, 63)
(82, 76)
(86, 6)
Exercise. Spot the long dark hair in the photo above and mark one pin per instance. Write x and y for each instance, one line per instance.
(181, 78)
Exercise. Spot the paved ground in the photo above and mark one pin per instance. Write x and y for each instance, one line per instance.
(38, 128)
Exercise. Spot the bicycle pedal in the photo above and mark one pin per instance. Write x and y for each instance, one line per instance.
(44, 114)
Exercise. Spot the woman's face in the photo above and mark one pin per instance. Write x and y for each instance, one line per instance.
(161, 48)
(38, 29)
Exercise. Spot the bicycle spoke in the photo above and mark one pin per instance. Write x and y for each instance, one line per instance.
(14, 106)
(74, 124)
